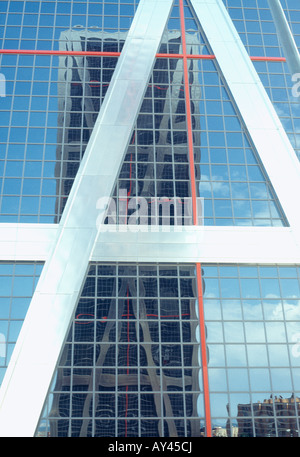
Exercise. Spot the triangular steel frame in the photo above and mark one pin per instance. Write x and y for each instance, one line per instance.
(67, 248)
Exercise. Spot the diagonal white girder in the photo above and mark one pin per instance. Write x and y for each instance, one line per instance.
(37, 350)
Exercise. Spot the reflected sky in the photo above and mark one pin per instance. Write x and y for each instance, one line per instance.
(251, 337)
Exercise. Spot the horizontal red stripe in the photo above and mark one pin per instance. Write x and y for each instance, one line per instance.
(59, 53)
(268, 59)
(117, 54)
(189, 56)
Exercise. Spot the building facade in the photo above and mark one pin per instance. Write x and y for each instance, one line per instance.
(150, 238)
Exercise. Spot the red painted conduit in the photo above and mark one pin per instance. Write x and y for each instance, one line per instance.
(195, 222)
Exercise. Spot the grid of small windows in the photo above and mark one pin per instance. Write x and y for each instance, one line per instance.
(277, 81)
(230, 177)
(234, 185)
(135, 334)
(84, 81)
(275, 76)
(254, 23)
(28, 140)
(291, 9)
(38, 24)
(252, 316)
(130, 366)
(156, 162)
(46, 121)
(48, 124)
(17, 284)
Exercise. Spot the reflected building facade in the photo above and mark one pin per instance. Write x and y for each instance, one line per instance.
(156, 162)
(132, 355)
(264, 423)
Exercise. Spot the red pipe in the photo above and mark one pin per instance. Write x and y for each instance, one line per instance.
(117, 54)
(195, 221)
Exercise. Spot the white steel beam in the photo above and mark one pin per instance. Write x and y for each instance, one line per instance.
(242, 245)
(34, 242)
(26, 242)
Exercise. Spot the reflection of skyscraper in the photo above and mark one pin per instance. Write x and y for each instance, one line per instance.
(84, 81)
(131, 363)
(161, 125)
(132, 359)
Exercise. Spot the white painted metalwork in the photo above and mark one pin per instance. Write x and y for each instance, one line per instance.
(26, 242)
(30, 242)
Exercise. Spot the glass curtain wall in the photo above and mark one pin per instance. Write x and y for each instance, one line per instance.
(153, 349)
(254, 23)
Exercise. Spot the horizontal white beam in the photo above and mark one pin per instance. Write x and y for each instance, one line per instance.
(34, 242)
(199, 244)
(26, 242)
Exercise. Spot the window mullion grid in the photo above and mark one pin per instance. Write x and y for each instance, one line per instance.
(72, 342)
(195, 222)
(161, 374)
(171, 131)
(180, 323)
(117, 350)
(268, 359)
(92, 415)
(138, 328)
(282, 298)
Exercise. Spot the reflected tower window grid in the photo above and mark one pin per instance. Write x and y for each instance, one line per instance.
(134, 342)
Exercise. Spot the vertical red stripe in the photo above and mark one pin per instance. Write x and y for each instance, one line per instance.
(195, 222)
